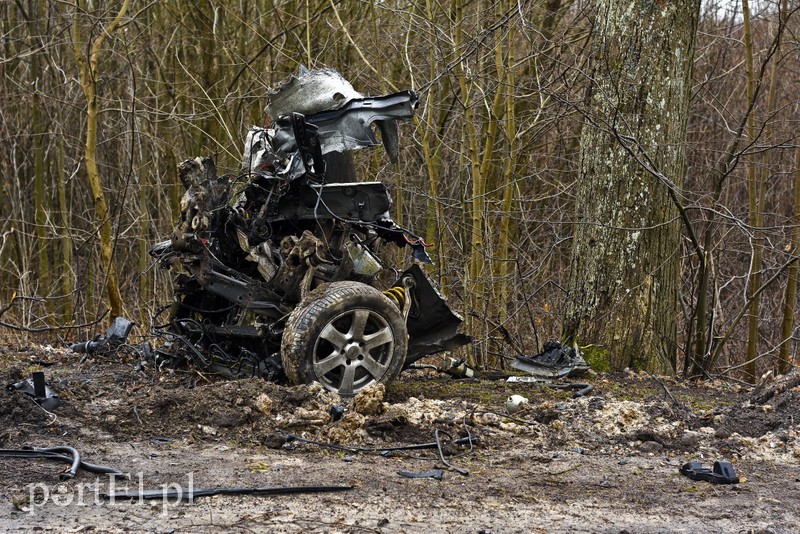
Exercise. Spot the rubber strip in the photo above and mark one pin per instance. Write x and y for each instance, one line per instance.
(385, 451)
(436, 473)
(438, 433)
(177, 493)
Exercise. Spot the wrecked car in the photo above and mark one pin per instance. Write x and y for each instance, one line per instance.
(282, 269)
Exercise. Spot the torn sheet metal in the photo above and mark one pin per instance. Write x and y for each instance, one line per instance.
(555, 361)
(349, 127)
(36, 388)
(311, 92)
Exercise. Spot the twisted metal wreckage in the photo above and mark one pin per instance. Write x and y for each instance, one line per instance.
(281, 265)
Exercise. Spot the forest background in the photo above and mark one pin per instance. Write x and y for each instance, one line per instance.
(99, 103)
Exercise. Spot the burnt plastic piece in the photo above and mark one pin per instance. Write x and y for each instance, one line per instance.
(722, 473)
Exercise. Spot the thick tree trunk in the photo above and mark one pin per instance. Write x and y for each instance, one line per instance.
(623, 287)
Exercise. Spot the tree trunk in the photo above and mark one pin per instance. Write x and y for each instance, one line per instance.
(754, 207)
(67, 268)
(785, 358)
(88, 73)
(623, 289)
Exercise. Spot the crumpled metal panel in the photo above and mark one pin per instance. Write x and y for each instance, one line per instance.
(432, 324)
(311, 92)
(349, 128)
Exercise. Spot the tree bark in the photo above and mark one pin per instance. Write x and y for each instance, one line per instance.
(623, 289)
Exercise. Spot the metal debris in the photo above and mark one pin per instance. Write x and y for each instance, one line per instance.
(555, 361)
(438, 474)
(116, 335)
(36, 388)
(281, 267)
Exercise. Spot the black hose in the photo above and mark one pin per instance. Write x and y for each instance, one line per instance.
(190, 494)
(76, 460)
(582, 388)
(62, 454)
(470, 440)
(458, 470)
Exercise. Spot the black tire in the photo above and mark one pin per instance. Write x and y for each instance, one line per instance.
(346, 336)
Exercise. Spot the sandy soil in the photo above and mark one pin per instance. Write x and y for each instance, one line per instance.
(607, 462)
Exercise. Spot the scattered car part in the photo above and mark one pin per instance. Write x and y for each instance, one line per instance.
(515, 403)
(438, 474)
(555, 361)
(281, 272)
(62, 454)
(37, 388)
(337, 412)
(457, 368)
(170, 492)
(722, 472)
(580, 389)
(116, 335)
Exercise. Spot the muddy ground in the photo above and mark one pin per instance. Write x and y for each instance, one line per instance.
(606, 462)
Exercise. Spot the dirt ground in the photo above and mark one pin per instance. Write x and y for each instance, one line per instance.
(606, 462)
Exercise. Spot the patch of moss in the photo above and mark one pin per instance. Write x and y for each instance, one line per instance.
(597, 358)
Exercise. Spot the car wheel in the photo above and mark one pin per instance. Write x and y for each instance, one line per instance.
(346, 336)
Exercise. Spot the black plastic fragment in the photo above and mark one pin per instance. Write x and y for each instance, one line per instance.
(579, 389)
(722, 473)
(336, 411)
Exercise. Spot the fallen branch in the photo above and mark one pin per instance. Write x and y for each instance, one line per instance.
(762, 393)
(51, 328)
